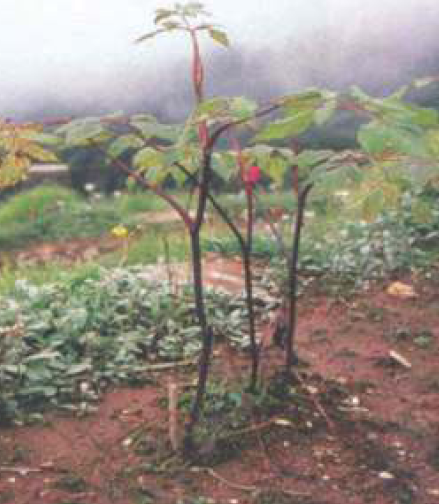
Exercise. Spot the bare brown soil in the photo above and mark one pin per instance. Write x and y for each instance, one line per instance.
(373, 437)
(68, 251)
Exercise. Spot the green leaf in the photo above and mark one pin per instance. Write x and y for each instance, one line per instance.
(170, 156)
(241, 107)
(332, 176)
(194, 9)
(288, 127)
(38, 153)
(432, 139)
(124, 143)
(148, 158)
(171, 25)
(311, 158)
(405, 115)
(307, 100)
(178, 175)
(150, 128)
(211, 107)
(276, 168)
(422, 212)
(42, 138)
(377, 138)
(219, 36)
(360, 95)
(224, 165)
(149, 35)
(157, 174)
(85, 131)
(324, 113)
(163, 14)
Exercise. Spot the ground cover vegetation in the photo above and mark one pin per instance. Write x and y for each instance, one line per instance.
(391, 183)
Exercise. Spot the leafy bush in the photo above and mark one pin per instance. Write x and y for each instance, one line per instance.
(397, 240)
(35, 202)
(63, 343)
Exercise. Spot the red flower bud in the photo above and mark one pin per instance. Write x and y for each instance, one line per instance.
(252, 175)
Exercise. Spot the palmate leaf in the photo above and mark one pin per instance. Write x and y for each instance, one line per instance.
(283, 128)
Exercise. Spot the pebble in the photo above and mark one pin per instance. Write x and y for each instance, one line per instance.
(386, 475)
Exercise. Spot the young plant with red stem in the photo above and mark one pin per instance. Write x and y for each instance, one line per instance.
(300, 110)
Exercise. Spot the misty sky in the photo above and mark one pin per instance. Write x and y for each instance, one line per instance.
(78, 55)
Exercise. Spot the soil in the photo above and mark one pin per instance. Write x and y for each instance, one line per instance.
(68, 251)
(371, 373)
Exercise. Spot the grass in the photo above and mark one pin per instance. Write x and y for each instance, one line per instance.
(45, 273)
(335, 238)
(53, 213)
(156, 245)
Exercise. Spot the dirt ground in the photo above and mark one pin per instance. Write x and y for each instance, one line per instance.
(376, 441)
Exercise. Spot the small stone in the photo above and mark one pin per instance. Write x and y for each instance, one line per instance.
(84, 387)
(12, 480)
(433, 491)
(325, 477)
(371, 436)
(386, 475)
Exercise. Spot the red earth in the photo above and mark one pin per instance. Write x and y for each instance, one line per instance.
(373, 436)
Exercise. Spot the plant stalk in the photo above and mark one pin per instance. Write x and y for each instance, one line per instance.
(291, 356)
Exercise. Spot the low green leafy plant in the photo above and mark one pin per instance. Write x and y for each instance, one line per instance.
(61, 344)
